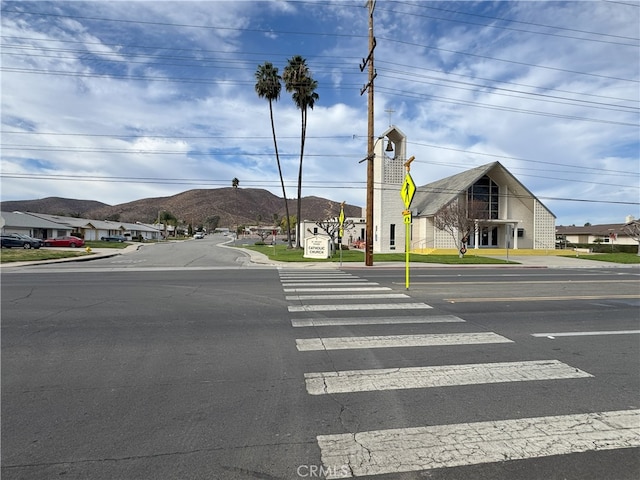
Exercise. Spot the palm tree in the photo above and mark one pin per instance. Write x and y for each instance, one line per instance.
(268, 86)
(298, 81)
(234, 183)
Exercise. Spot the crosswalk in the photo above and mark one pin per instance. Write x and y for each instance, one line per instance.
(317, 299)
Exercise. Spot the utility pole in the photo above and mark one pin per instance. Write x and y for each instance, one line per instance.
(371, 4)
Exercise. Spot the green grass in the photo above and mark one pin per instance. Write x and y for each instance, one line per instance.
(628, 258)
(35, 255)
(101, 244)
(283, 254)
(21, 255)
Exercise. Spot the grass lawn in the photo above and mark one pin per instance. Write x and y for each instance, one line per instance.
(283, 254)
(33, 255)
(612, 257)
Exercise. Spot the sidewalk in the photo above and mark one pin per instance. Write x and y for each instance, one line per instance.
(528, 261)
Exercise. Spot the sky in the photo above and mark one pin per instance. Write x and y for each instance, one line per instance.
(117, 101)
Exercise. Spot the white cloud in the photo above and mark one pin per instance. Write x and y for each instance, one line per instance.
(197, 111)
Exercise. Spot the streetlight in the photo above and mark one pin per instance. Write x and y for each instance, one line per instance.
(368, 241)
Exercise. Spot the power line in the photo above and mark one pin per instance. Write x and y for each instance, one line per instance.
(165, 24)
(424, 6)
(263, 183)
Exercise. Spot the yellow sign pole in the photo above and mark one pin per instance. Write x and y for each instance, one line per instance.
(407, 232)
(407, 192)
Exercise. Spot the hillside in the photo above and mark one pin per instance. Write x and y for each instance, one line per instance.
(54, 206)
(233, 206)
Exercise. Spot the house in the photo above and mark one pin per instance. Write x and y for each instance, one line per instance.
(610, 233)
(42, 226)
(36, 227)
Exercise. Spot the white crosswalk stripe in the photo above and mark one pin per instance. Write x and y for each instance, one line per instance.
(423, 448)
(378, 452)
(357, 306)
(334, 322)
(339, 289)
(397, 341)
(438, 376)
(344, 283)
(355, 296)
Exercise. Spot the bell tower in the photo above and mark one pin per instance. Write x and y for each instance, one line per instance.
(388, 175)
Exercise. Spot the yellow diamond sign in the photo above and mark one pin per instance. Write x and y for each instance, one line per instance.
(408, 190)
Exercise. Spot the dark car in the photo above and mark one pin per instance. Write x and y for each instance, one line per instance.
(64, 242)
(114, 238)
(20, 241)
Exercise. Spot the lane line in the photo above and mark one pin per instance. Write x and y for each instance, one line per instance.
(330, 322)
(438, 376)
(391, 341)
(424, 448)
(351, 307)
(583, 334)
(357, 296)
(529, 299)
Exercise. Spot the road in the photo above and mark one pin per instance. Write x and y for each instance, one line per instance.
(186, 361)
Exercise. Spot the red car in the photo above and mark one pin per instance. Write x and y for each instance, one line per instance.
(64, 242)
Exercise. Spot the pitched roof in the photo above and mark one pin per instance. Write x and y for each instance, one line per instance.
(27, 220)
(433, 196)
(603, 229)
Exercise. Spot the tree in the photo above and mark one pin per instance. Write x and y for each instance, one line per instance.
(302, 86)
(212, 222)
(235, 183)
(632, 229)
(268, 86)
(458, 218)
(168, 218)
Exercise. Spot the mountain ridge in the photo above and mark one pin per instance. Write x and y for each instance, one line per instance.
(233, 206)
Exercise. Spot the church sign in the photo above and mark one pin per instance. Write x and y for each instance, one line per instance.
(318, 246)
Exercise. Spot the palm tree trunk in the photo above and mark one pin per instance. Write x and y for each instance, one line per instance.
(284, 193)
(299, 205)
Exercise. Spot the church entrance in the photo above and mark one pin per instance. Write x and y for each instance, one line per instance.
(489, 237)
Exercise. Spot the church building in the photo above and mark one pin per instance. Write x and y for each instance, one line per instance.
(504, 213)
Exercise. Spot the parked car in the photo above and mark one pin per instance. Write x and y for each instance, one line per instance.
(64, 242)
(114, 238)
(199, 235)
(20, 241)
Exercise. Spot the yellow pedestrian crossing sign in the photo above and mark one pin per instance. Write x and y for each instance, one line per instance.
(408, 190)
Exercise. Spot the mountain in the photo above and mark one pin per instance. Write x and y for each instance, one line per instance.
(247, 206)
(53, 206)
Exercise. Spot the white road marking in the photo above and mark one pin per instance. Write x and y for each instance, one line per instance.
(389, 341)
(355, 306)
(423, 448)
(583, 334)
(342, 283)
(360, 296)
(338, 289)
(438, 376)
(327, 322)
(309, 278)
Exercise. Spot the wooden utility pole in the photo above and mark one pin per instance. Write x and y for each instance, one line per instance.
(370, 134)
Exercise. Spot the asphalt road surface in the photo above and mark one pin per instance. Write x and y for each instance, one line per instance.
(185, 361)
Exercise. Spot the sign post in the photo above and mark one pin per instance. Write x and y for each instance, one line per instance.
(407, 192)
